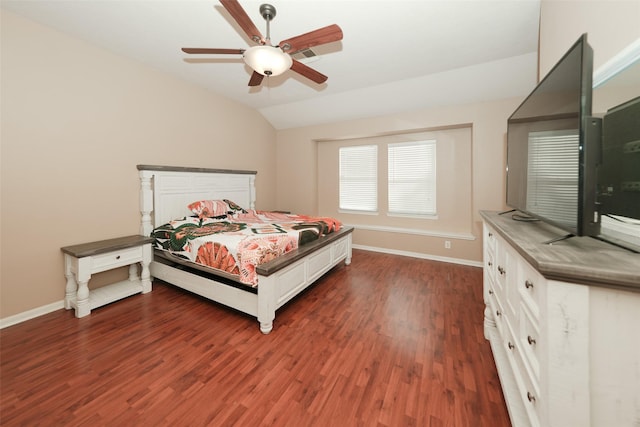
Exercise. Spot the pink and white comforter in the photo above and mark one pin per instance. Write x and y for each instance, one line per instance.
(238, 243)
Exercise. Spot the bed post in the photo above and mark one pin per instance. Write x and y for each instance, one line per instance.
(252, 187)
(146, 202)
(267, 296)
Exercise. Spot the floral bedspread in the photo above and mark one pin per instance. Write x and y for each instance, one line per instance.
(238, 243)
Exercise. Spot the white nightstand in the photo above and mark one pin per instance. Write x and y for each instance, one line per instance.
(81, 261)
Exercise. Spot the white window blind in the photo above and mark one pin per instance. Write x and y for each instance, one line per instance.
(552, 175)
(359, 178)
(412, 178)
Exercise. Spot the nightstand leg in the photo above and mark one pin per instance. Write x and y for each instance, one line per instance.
(145, 274)
(72, 285)
(82, 277)
(82, 301)
(133, 272)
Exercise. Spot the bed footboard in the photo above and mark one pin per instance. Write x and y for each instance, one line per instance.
(281, 285)
(278, 282)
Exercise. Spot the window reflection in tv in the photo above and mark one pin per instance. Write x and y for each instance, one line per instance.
(552, 175)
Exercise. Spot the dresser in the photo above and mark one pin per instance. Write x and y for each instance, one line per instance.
(563, 321)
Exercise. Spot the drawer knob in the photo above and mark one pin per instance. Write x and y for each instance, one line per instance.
(501, 270)
(490, 291)
(530, 397)
(530, 340)
(490, 234)
(528, 284)
(498, 313)
(490, 264)
(511, 346)
(118, 257)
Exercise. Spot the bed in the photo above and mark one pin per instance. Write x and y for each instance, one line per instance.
(165, 194)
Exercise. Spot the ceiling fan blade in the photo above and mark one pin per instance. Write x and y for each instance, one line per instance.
(331, 33)
(241, 17)
(256, 79)
(205, 50)
(308, 72)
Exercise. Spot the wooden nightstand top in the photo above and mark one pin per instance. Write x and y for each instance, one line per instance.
(103, 246)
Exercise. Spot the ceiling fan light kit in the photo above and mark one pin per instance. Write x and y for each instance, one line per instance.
(266, 59)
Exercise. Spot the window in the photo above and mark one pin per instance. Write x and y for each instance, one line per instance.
(359, 178)
(387, 183)
(412, 178)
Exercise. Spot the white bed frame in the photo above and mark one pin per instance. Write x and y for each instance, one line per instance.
(165, 193)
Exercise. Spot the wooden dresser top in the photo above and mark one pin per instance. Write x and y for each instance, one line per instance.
(583, 260)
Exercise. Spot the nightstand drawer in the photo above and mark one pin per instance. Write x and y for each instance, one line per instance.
(115, 259)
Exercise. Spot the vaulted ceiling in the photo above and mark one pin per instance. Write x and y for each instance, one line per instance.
(396, 55)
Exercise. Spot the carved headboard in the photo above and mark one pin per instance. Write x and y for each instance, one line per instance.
(166, 191)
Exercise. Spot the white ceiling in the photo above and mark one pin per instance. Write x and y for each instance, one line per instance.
(396, 55)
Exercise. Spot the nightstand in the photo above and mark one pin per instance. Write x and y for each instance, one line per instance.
(81, 261)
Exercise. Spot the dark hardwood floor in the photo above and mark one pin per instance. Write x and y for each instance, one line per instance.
(386, 341)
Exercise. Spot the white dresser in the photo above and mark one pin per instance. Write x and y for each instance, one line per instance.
(563, 321)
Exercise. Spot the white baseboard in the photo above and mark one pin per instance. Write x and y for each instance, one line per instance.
(30, 314)
(414, 231)
(420, 255)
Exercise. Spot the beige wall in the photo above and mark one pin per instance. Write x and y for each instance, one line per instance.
(611, 25)
(76, 120)
(298, 187)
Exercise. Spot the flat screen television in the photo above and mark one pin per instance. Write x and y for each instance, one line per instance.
(553, 146)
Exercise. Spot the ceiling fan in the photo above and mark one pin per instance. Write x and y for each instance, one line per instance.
(266, 59)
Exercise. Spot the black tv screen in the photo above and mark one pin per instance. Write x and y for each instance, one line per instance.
(552, 147)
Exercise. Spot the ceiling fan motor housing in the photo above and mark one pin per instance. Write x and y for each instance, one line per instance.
(267, 11)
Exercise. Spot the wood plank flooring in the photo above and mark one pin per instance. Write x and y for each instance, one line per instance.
(386, 341)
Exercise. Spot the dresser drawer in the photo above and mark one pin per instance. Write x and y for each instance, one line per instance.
(529, 393)
(529, 337)
(489, 239)
(510, 345)
(530, 284)
(115, 259)
(497, 311)
(489, 266)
